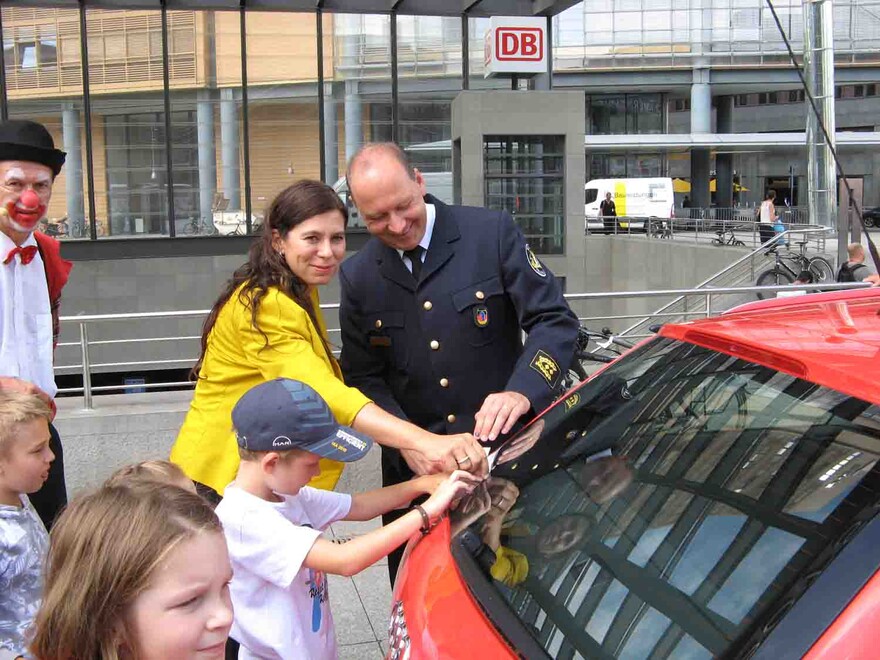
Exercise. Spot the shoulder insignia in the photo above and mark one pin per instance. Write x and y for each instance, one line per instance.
(572, 401)
(535, 265)
(547, 367)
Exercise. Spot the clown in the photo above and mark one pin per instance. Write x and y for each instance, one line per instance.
(32, 274)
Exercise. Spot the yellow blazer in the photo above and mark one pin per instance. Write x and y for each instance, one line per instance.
(237, 358)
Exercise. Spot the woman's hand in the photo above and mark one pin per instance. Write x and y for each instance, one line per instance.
(445, 453)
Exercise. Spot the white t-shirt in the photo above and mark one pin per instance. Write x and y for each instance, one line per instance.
(282, 609)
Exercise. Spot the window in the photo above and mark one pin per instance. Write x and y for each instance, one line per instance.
(524, 176)
(668, 507)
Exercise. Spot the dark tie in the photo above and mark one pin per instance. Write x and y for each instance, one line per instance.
(415, 258)
(27, 254)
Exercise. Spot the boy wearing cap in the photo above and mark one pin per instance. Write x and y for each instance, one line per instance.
(273, 521)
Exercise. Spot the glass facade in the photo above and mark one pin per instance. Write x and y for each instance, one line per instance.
(209, 134)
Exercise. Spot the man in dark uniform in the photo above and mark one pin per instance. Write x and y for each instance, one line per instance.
(433, 308)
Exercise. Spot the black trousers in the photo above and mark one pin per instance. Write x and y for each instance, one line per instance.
(52, 497)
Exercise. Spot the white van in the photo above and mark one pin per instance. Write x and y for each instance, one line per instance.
(633, 198)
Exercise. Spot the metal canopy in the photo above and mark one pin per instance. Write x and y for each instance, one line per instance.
(403, 7)
(723, 142)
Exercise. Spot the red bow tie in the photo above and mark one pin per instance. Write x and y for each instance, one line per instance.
(27, 254)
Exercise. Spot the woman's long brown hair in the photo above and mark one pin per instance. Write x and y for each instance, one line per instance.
(266, 268)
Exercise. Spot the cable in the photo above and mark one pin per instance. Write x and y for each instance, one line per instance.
(797, 67)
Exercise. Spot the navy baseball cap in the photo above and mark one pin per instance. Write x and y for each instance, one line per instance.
(285, 414)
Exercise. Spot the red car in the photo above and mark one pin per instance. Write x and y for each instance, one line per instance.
(712, 493)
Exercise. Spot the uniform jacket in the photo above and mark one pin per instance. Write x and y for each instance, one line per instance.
(432, 353)
(238, 358)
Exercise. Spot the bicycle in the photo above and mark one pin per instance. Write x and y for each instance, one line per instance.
(790, 264)
(660, 228)
(607, 349)
(727, 237)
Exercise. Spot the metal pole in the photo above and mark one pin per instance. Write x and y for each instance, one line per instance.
(87, 121)
(322, 139)
(708, 305)
(244, 119)
(166, 100)
(4, 110)
(819, 73)
(465, 52)
(395, 91)
(86, 365)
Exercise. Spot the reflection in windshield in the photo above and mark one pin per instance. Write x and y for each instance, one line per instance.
(663, 508)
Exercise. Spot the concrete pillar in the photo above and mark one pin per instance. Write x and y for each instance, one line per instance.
(724, 162)
(701, 122)
(229, 146)
(70, 127)
(331, 137)
(207, 163)
(354, 130)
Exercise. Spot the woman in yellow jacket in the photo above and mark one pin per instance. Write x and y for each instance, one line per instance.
(267, 324)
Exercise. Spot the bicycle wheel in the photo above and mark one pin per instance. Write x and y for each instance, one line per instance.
(717, 241)
(739, 243)
(772, 277)
(822, 270)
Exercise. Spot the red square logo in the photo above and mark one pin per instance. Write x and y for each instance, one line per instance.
(519, 44)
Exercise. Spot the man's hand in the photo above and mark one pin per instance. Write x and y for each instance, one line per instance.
(446, 453)
(873, 279)
(499, 413)
(19, 385)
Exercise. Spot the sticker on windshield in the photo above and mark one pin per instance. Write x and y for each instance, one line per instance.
(546, 366)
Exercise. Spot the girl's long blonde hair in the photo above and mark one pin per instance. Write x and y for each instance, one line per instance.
(104, 551)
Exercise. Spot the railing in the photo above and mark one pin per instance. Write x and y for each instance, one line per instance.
(743, 270)
(720, 230)
(86, 367)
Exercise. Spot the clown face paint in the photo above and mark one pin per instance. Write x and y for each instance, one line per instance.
(25, 191)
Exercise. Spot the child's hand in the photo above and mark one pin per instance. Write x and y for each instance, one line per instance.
(452, 487)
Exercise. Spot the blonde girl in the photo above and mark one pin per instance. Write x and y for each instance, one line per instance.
(135, 573)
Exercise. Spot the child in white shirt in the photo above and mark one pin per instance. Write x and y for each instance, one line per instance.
(25, 458)
(273, 521)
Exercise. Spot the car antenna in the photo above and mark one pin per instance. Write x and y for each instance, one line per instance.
(797, 67)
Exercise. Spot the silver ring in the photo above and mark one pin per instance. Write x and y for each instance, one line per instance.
(466, 459)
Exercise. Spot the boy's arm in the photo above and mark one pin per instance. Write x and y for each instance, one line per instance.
(354, 556)
(373, 503)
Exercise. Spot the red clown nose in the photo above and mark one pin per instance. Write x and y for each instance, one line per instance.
(29, 199)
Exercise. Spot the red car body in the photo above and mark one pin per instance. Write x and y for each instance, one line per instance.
(831, 340)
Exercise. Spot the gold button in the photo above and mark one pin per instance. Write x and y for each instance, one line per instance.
(378, 323)
(444, 382)
(435, 344)
(450, 419)
(428, 305)
(480, 295)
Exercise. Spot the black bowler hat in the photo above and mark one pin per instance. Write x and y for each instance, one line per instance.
(22, 139)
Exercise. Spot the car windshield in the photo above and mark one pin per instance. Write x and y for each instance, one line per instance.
(663, 510)
(591, 194)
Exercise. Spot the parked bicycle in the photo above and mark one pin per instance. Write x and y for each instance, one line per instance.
(660, 228)
(591, 346)
(789, 264)
(726, 236)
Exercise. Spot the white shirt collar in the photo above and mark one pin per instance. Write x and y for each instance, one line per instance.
(7, 244)
(431, 213)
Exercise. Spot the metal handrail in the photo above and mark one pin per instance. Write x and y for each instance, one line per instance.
(819, 232)
(85, 320)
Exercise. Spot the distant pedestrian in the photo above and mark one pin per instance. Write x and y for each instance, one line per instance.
(767, 217)
(608, 212)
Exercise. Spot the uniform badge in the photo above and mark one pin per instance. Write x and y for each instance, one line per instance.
(572, 401)
(547, 367)
(535, 265)
(481, 316)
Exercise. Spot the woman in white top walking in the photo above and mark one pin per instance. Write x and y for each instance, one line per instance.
(768, 217)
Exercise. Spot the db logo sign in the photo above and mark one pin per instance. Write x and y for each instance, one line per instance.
(519, 44)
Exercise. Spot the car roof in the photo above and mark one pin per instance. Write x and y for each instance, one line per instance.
(832, 339)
